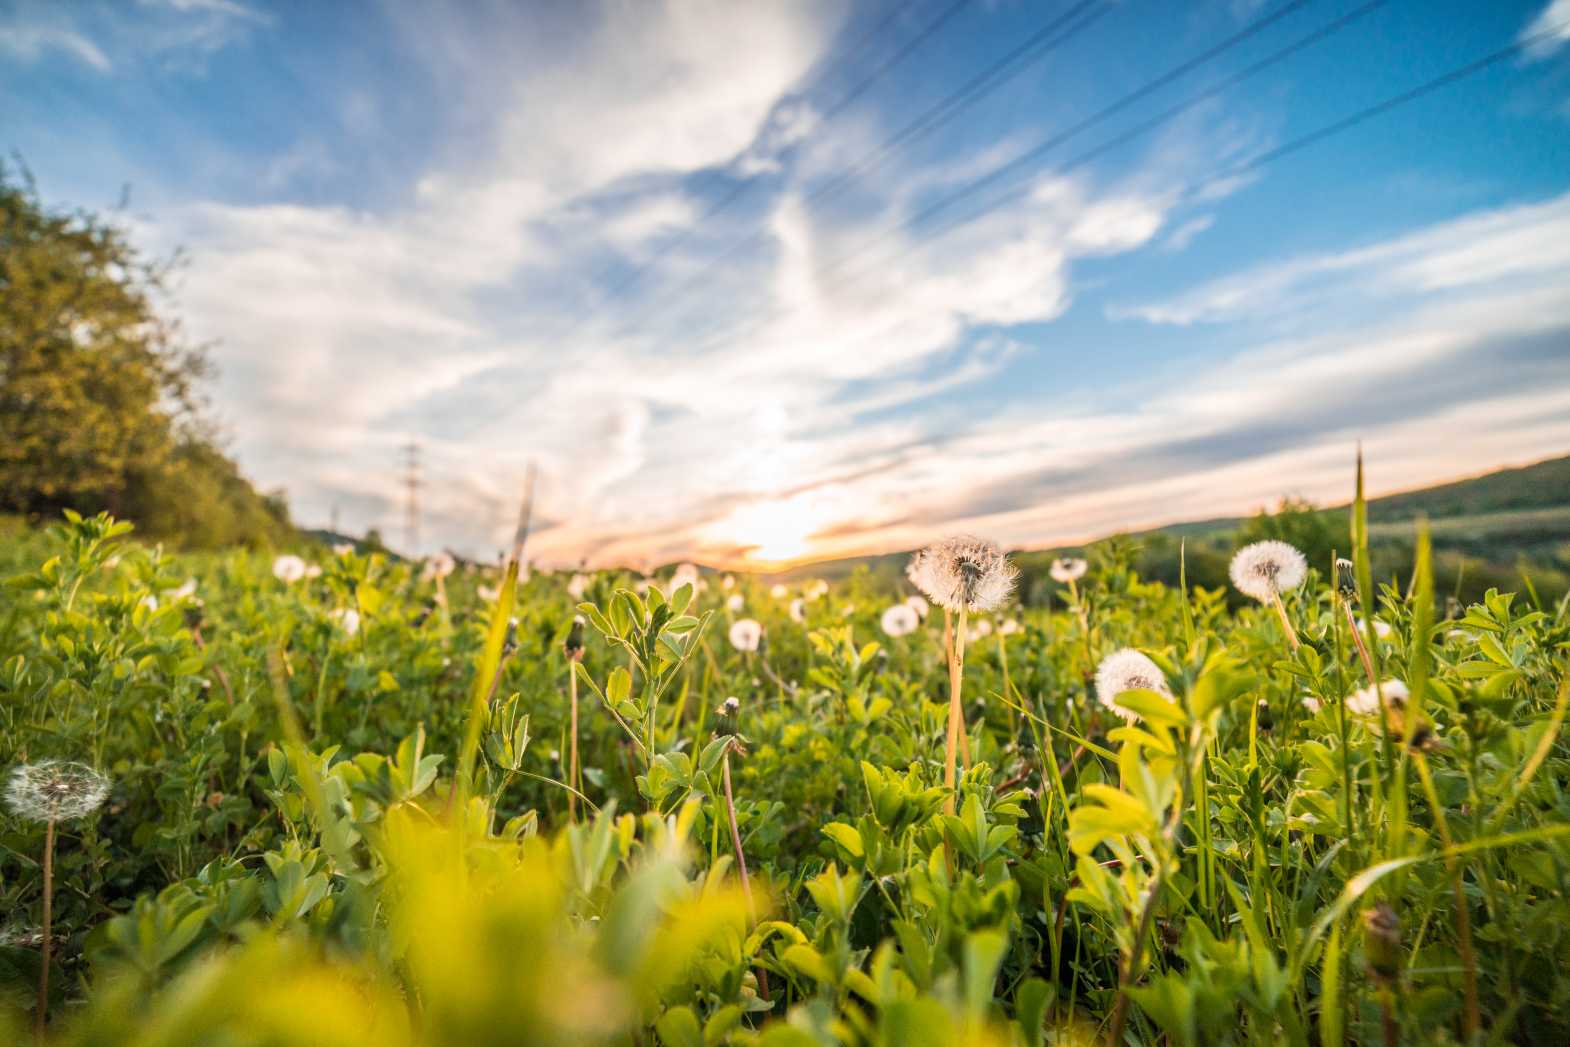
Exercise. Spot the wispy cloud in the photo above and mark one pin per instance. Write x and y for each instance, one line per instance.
(839, 382)
(1549, 31)
(1507, 244)
(29, 42)
(179, 35)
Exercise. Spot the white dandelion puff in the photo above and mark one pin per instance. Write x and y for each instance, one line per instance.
(1128, 670)
(899, 620)
(1311, 703)
(343, 548)
(920, 605)
(728, 582)
(486, 593)
(349, 618)
(981, 628)
(779, 592)
(149, 601)
(55, 791)
(439, 565)
(1382, 630)
(963, 573)
(1365, 701)
(798, 610)
(817, 589)
(1008, 628)
(1067, 569)
(745, 634)
(577, 585)
(288, 568)
(188, 589)
(685, 574)
(735, 602)
(1265, 570)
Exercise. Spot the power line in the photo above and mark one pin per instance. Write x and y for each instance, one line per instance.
(1352, 120)
(1035, 154)
(1037, 46)
(736, 191)
(1138, 130)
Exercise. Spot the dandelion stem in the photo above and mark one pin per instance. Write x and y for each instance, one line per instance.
(1286, 622)
(572, 743)
(49, 892)
(741, 859)
(956, 654)
(1362, 648)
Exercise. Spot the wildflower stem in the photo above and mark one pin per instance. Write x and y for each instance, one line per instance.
(49, 894)
(1286, 622)
(1471, 1019)
(741, 859)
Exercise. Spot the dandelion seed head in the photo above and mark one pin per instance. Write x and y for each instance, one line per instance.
(1128, 670)
(981, 627)
(963, 573)
(349, 618)
(685, 574)
(920, 605)
(798, 610)
(439, 565)
(1009, 627)
(577, 585)
(288, 568)
(899, 620)
(55, 791)
(1365, 701)
(745, 634)
(1067, 569)
(1265, 569)
(735, 603)
(1382, 630)
(343, 548)
(779, 592)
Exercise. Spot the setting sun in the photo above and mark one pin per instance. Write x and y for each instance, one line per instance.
(775, 531)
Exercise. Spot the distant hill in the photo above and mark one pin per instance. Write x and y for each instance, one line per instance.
(1484, 528)
(1542, 486)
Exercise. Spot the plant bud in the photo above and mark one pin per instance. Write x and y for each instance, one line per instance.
(1346, 579)
(573, 646)
(1382, 943)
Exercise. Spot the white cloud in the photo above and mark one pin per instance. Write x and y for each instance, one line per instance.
(778, 387)
(1552, 24)
(179, 34)
(1515, 243)
(30, 42)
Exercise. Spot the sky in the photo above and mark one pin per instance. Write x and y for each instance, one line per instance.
(752, 283)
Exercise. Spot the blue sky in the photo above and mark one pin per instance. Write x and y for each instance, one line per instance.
(662, 250)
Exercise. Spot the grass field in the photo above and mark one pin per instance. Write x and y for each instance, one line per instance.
(347, 800)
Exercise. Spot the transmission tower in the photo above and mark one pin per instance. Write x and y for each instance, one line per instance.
(411, 503)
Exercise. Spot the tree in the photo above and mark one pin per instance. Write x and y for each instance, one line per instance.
(98, 403)
(1317, 533)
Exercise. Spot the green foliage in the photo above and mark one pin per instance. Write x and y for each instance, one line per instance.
(325, 834)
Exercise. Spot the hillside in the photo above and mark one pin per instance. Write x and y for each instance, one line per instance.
(1485, 530)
